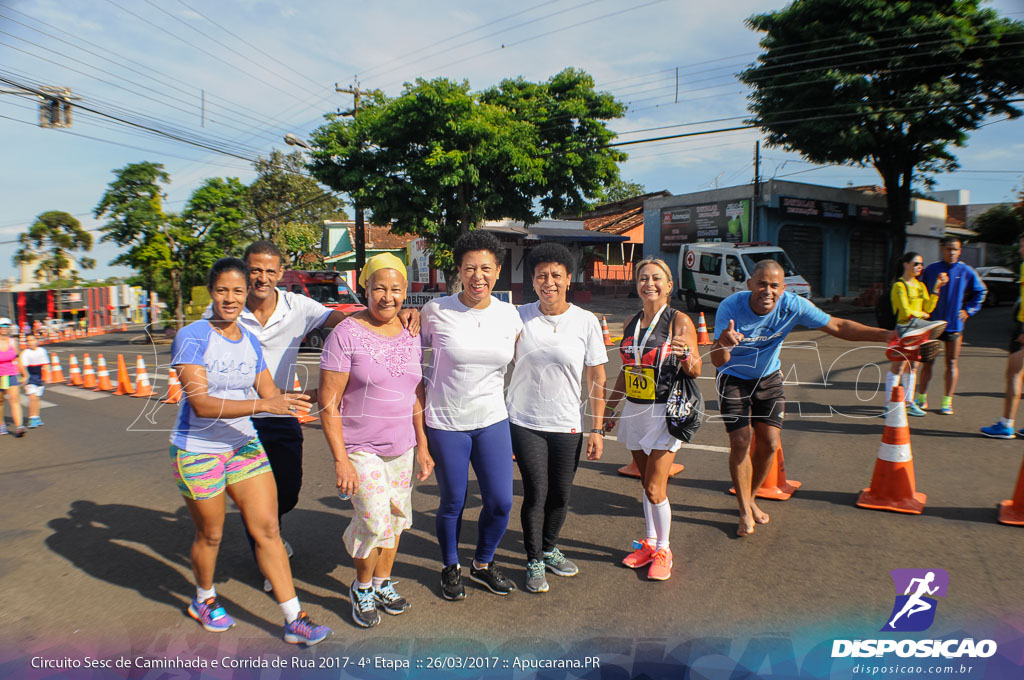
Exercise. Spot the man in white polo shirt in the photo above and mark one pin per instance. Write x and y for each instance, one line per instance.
(280, 320)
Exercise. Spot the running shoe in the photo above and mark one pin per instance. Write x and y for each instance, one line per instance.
(19, 431)
(921, 400)
(492, 579)
(34, 422)
(364, 606)
(1020, 432)
(388, 598)
(928, 350)
(661, 566)
(917, 330)
(451, 583)
(210, 615)
(947, 406)
(914, 410)
(560, 564)
(998, 431)
(641, 555)
(303, 630)
(267, 587)
(3, 428)
(535, 579)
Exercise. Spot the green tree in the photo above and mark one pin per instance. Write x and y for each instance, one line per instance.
(888, 84)
(1000, 224)
(136, 221)
(285, 204)
(620, 190)
(438, 160)
(50, 242)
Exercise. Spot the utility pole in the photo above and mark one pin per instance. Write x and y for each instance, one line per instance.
(360, 226)
(757, 187)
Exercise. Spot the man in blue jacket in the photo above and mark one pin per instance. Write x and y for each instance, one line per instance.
(959, 299)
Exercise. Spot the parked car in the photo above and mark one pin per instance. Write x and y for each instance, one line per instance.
(55, 325)
(1001, 283)
(710, 272)
(326, 287)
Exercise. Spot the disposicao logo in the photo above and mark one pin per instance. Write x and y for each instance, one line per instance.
(914, 611)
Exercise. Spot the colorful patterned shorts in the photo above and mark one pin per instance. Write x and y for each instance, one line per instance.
(382, 508)
(205, 475)
(9, 381)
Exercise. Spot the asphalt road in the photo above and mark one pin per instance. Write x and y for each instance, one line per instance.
(95, 546)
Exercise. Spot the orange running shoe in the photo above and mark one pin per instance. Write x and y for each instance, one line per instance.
(642, 556)
(661, 567)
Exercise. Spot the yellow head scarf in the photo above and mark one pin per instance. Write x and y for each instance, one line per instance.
(382, 261)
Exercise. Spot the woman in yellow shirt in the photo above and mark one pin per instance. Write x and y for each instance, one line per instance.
(910, 298)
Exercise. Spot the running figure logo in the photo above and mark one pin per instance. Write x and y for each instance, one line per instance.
(914, 609)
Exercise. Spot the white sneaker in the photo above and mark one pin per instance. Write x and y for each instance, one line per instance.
(266, 585)
(288, 548)
(919, 329)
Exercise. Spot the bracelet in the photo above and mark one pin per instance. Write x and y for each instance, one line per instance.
(597, 430)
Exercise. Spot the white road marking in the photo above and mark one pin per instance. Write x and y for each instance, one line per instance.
(699, 447)
(78, 392)
(42, 402)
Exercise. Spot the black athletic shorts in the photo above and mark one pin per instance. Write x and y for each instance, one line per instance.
(949, 337)
(743, 402)
(1015, 332)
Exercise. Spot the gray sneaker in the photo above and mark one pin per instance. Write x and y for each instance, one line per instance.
(560, 564)
(535, 581)
(917, 330)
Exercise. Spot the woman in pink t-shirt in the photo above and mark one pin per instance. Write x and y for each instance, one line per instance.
(371, 401)
(10, 369)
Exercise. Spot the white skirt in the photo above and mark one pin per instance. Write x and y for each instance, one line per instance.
(642, 428)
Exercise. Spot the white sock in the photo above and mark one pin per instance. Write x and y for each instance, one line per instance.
(662, 522)
(363, 586)
(890, 382)
(202, 595)
(290, 609)
(909, 382)
(477, 565)
(1008, 422)
(652, 533)
(378, 581)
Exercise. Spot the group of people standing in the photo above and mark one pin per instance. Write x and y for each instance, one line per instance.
(404, 395)
(20, 368)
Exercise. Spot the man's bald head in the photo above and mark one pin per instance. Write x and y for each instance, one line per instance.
(768, 265)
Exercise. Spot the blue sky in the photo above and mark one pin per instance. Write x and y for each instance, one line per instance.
(268, 67)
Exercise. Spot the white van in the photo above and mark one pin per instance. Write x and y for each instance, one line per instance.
(710, 272)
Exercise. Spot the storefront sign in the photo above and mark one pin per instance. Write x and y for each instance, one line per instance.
(808, 207)
(870, 213)
(727, 221)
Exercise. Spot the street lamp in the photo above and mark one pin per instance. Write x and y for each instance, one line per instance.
(360, 244)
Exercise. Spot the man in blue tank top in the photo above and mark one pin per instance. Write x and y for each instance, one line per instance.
(750, 328)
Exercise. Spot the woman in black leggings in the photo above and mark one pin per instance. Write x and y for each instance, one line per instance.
(560, 344)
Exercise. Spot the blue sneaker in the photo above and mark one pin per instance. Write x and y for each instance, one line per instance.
(303, 630)
(1020, 432)
(211, 615)
(998, 431)
(914, 410)
(3, 428)
(34, 422)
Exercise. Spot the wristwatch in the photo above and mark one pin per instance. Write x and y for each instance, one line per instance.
(597, 430)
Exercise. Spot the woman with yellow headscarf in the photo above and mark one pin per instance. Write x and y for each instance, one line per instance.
(371, 401)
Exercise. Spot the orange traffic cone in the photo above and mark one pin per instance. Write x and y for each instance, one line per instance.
(892, 484)
(606, 336)
(102, 376)
(142, 386)
(776, 487)
(88, 374)
(75, 374)
(56, 372)
(305, 417)
(1012, 511)
(702, 331)
(173, 388)
(46, 374)
(124, 383)
(632, 470)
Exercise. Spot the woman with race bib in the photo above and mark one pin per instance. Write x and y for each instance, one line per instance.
(656, 342)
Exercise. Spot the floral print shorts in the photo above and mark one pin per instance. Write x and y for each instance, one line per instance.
(382, 508)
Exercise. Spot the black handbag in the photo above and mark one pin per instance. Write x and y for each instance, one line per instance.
(684, 408)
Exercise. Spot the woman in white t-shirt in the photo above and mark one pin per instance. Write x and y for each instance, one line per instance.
(472, 338)
(560, 343)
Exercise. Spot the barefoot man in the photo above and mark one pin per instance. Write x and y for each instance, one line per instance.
(750, 327)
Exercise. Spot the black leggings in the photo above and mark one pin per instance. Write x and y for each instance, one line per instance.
(547, 463)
